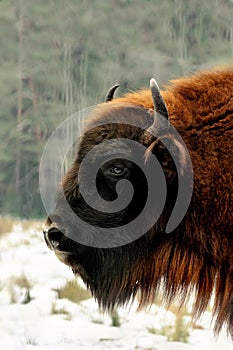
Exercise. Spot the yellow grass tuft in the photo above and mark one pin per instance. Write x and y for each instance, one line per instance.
(73, 292)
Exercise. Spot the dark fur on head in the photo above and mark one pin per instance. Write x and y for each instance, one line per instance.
(197, 257)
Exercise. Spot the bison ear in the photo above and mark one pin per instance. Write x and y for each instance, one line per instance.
(170, 152)
(161, 118)
(111, 92)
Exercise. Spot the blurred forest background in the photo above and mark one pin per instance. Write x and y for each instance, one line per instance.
(58, 57)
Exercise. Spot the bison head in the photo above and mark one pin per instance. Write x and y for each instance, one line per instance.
(116, 259)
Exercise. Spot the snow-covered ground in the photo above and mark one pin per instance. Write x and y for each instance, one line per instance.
(33, 325)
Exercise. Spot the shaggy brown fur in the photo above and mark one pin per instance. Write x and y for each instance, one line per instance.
(198, 256)
(201, 109)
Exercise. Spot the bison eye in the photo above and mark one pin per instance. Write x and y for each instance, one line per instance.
(117, 170)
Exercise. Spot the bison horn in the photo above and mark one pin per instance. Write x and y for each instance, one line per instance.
(110, 94)
(159, 104)
(159, 107)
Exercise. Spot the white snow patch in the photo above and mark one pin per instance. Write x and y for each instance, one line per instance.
(33, 326)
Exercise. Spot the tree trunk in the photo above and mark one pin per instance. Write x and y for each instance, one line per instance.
(20, 98)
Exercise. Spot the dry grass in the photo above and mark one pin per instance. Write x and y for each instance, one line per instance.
(6, 225)
(19, 283)
(179, 331)
(55, 310)
(30, 340)
(73, 292)
(27, 224)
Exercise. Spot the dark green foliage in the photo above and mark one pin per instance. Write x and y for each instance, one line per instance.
(115, 319)
(58, 57)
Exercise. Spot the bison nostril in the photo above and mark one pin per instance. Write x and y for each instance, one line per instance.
(54, 236)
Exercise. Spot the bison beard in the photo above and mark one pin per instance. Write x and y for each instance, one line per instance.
(197, 257)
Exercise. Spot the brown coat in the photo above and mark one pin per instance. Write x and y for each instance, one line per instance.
(201, 109)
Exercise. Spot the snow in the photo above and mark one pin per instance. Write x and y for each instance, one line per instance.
(33, 326)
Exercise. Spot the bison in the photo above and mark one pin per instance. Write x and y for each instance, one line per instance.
(196, 257)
